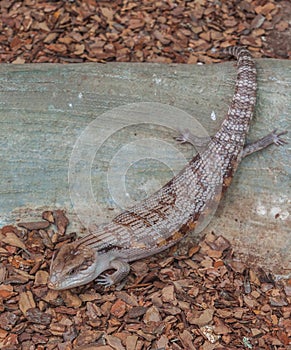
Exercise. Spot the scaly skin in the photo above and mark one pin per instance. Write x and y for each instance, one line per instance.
(180, 206)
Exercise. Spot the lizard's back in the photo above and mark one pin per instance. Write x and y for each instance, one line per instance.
(167, 215)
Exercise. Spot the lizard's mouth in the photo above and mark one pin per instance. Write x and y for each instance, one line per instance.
(53, 284)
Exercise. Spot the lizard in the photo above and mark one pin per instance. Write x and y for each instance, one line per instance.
(166, 216)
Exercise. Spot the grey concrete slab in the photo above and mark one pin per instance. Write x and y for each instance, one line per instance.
(95, 138)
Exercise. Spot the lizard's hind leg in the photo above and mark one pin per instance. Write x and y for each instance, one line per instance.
(186, 136)
(272, 138)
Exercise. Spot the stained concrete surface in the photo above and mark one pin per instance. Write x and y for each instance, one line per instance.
(115, 124)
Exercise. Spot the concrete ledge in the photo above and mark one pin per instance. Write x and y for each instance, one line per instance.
(45, 108)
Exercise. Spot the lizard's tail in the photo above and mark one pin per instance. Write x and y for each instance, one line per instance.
(236, 51)
(240, 112)
(245, 92)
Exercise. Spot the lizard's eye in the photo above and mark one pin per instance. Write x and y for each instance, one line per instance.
(72, 272)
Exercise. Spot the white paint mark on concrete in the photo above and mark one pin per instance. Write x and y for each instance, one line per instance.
(276, 209)
(261, 210)
(157, 80)
(213, 116)
(277, 212)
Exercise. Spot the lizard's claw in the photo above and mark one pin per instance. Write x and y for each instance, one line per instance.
(184, 136)
(105, 280)
(277, 140)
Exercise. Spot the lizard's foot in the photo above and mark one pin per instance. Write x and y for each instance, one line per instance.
(105, 280)
(122, 270)
(273, 137)
(277, 140)
(186, 136)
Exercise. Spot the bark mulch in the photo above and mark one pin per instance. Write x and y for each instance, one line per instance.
(141, 31)
(206, 299)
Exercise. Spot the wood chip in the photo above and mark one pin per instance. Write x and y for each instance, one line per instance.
(3, 273)
(201, 318)
(41, 277)
(13, 240)
(52, 31)
(70, 299)
(61, 221)
(118, 309)
(26, 302)
(152, 315)
(34, 225)
(187, 340)
(114, 342)
(36, 316)
(168, 294)
(137, 311)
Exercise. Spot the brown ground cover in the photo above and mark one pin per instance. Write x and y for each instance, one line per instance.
(144, 31)
(205, 299)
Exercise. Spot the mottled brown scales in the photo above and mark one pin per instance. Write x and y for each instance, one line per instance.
(185, 203)
(130, 217)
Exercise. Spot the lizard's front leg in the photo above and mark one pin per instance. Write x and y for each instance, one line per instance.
(122, 269)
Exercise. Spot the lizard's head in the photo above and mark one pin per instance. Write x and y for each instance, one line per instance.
(74, 265)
